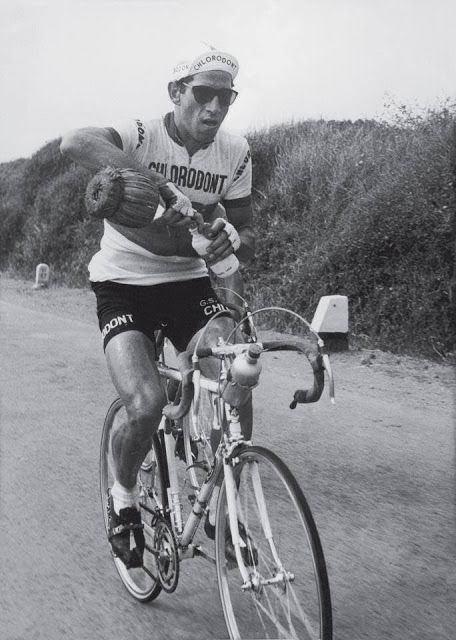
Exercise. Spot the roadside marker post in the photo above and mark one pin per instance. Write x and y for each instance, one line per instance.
(331, 322)
(42, 276)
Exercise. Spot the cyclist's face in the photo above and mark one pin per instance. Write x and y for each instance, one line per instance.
(202, 121)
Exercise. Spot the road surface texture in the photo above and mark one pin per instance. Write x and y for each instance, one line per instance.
(377, 469)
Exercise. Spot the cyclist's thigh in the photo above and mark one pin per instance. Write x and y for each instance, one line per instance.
(128, 316)
(192, 304)
(220, 327)
(134, 372)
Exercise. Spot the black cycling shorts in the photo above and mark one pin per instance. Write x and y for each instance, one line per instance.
(179, 308)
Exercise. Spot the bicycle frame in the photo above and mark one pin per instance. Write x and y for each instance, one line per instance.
(239, 485)
(185, 531)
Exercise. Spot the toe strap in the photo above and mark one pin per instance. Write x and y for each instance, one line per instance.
(115, 531)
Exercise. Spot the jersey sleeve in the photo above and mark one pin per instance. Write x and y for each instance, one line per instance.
(239, 192)
(128, 135)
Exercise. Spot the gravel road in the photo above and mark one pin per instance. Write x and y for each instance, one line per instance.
(377, 469)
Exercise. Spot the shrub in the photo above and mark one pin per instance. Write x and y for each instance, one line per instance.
(56, 220)
(364, 209)
(12, 207)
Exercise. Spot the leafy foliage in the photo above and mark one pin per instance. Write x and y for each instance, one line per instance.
(364, 209)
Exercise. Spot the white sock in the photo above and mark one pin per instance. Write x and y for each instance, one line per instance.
(123, 497)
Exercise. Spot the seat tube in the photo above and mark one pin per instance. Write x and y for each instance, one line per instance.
(200, 504)
(173, 489)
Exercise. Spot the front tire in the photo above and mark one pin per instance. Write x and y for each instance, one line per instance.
(289, 595)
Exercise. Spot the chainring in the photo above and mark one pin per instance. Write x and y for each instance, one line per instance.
(167, 555)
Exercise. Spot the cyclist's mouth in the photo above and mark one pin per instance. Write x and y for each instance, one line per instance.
(211, 123)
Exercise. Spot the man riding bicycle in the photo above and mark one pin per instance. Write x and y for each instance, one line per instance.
(151, 277)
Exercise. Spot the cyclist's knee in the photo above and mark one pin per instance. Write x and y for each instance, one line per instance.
(144, 408)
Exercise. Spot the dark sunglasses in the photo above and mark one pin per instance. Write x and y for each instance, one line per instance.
(203, 94)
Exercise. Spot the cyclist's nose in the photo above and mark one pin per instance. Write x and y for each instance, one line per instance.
(214, 105)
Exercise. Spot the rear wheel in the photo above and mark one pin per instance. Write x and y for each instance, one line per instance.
(142, 583)
(287, 593)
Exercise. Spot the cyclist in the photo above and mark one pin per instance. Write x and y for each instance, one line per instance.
(151, 277)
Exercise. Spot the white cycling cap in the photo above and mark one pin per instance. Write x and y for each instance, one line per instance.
(208, 61)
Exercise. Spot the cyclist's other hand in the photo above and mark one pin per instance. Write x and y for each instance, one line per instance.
(175, 199)
(174, 218)
(225, 240)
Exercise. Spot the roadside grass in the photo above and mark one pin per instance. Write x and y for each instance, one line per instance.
(364, 209)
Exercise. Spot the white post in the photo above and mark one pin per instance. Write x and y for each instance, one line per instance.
(42, 276)
(331, 321)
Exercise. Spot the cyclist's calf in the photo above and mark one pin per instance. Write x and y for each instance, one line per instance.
(136, 378)
(132, 440)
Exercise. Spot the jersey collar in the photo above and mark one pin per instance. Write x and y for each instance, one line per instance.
(173, 131)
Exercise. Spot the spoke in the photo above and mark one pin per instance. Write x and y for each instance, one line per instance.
(287, 610)
(304, 618)
(283, 603)
(278, 624)
(258, 608)
(259, 507)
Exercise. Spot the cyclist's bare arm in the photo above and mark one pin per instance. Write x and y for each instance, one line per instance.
(242, 219)
(94, 148)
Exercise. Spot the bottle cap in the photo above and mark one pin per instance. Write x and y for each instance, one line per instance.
(254, 351)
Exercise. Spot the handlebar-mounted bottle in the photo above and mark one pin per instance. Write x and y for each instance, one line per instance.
(244, 372)
(242, 376)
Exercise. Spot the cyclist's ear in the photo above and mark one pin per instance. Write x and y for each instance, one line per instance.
(174, 92)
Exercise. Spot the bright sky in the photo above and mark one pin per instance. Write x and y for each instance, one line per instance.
(73, 63)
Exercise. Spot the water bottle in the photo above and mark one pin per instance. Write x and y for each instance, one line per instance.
(223, 268)
(242, 376)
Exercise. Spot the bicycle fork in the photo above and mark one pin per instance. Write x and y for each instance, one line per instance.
(252, 580)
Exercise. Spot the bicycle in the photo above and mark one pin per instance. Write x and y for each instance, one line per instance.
(271, 571)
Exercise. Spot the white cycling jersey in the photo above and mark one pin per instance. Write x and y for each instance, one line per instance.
(220, 172)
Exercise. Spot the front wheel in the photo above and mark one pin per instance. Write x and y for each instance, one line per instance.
(287, 591)
(143, 583)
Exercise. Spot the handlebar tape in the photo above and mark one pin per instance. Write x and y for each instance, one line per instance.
(305, 396)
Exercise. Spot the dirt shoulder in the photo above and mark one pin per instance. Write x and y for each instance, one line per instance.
(63, 301)
(80, 303)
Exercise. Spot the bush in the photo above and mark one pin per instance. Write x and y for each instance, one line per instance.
(56, 230)
(12, 207)
(364, 209)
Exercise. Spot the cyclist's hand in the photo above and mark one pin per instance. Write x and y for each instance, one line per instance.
(175, 199)
(177, 205)
(173, 218)
(225, 240)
